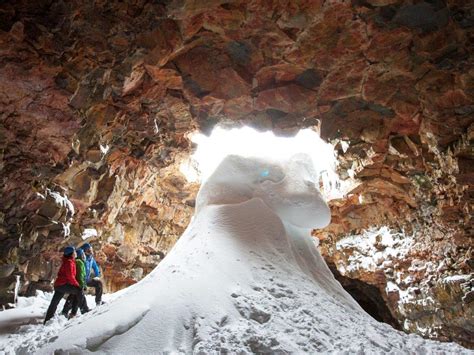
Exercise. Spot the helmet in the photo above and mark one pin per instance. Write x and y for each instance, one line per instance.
(69, 250)
(86, 246)
(80, 253)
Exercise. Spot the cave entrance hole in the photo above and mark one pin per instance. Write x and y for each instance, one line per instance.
(248, 142)
(368, 297)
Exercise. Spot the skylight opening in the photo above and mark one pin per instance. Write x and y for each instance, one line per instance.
(248, 142)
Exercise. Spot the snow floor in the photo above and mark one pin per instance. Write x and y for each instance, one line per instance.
(245, 277)
(22, 329)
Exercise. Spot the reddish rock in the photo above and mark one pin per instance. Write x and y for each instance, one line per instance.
(391, 48)
(342, 83)
(134, 81)
(166, 77)
(292, 98)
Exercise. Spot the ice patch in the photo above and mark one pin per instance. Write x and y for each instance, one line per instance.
(104, 149)
(88, 233)
(373, 246)
(457, 278)
(66, 229)
(344, 145)
(62, 201)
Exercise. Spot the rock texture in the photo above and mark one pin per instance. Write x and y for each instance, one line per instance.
(98, 99)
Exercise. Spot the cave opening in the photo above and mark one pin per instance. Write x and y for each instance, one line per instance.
(367, 296)
(248, 142)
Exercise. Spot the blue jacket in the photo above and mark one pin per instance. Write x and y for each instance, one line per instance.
(91, 264)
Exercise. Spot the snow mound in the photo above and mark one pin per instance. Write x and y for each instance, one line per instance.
(245, 277)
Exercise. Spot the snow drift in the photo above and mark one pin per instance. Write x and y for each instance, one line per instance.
(246, 276)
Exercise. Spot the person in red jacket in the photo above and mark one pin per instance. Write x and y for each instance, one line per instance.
(65, 283)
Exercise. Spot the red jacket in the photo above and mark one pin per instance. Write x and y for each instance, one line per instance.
(67, 273)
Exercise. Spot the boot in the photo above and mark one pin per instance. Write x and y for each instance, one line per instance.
(72, 315)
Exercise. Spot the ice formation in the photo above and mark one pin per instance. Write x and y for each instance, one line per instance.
(245, 277)
(88, 233)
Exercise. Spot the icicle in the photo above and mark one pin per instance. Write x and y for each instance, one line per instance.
(345, 146)
(66, 229)
(104, 149)
(17, 289)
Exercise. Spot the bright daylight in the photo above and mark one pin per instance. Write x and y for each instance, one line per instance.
(236, 177)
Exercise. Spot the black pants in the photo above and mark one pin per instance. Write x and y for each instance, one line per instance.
(59, 292)
(82, 304)
(97, 284)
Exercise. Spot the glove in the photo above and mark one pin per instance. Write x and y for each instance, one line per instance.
(96, 278)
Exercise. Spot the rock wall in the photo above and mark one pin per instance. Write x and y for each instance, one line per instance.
(98, 98)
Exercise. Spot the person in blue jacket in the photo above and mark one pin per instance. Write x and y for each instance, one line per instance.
(91, 265)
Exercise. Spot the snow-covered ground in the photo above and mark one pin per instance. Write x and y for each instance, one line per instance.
(245, 277)
(22, 329)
